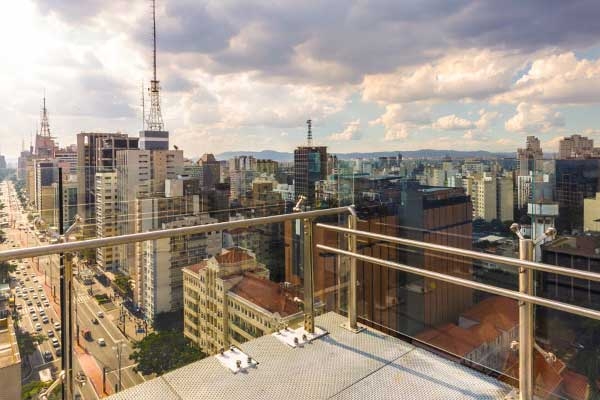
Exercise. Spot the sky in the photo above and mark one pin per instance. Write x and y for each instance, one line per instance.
(373, 75)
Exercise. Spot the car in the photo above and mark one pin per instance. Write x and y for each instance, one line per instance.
(50, 333)
(48, 356)
(41, 311)
(27, 278)
(46, 304)
(101, 342)
(35, 280)
(38, 303)
(35, 296)
(29, 303)
(100, 314)
(38, 327)
(58, 352)
(31, 310)
(95, 321)
(55, 342)
(31, 290)
(57, 326)
(34, 317)
(45, 319)
(19, 306)
(40, 288)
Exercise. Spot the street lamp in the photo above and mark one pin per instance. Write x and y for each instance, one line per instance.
(119, 349)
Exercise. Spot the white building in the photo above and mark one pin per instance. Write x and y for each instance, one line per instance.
(163, 260)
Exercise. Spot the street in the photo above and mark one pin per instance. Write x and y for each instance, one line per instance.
(36, 285)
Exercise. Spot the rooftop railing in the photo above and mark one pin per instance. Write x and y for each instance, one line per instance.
(351, 281)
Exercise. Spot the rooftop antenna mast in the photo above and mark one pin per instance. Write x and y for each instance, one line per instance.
(154, 121)
(45, 125)
(143, 108)
(309, 138)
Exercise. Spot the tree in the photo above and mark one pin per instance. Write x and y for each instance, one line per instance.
(5, 269)
(124, 284)
(164, 351)
(27, 342)
(32, 389)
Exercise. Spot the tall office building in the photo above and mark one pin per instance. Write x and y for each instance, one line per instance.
(310, 166)
(577, 147)
(96, 152)
(142, 174)
(210, 171)
(442, 216)
(576, 180)
(531, 157)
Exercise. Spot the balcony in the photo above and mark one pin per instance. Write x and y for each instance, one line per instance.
(416, 322)
(342, 365)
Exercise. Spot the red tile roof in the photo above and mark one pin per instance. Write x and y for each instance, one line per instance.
(233, 255)
(196, 267)
(451, 338)
(266, 294)
(501, 312)
(575, 386)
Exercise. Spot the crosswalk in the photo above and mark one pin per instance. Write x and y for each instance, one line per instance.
(82, 298)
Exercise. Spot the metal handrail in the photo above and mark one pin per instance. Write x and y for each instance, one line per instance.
(58, 248)
(525, 295)
(541, 301)
(514, 262)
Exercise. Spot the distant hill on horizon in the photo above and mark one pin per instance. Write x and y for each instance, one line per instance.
(425, 153)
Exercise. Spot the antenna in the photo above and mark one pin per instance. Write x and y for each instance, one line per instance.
(154, 121)
(309, 138)
(154, 36)
(45, 125)
(143, 108)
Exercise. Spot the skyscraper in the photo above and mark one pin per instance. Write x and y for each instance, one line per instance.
(531, 157)
(310, 166)
(577, 147)
(96, 152)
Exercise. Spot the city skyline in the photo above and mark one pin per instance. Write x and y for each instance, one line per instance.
(372, 77)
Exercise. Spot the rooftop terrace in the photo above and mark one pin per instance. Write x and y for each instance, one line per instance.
(340, 365)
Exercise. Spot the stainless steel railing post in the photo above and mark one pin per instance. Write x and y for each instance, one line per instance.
(309, 279)
(526, 323)
(352, 297)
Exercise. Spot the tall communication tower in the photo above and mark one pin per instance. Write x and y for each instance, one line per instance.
(309, 138)
(154, 121)
(45, 125)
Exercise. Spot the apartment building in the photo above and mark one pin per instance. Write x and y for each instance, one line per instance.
(163, 260)
(107, 258)
(492, 196)
(229, 299)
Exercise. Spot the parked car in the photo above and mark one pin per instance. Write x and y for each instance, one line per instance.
(101, 342)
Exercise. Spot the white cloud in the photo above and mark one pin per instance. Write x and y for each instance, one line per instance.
(486, 119)
(469, 74)
(452, 122)
(351, 132)
(399, 120)
(557, 79)
(534, 118)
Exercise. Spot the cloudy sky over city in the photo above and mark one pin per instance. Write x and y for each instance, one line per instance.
(245, 75)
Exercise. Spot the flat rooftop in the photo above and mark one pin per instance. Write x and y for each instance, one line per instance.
(9, 350)
(340, 365)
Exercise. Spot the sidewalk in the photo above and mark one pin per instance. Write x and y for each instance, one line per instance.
(91, 369)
